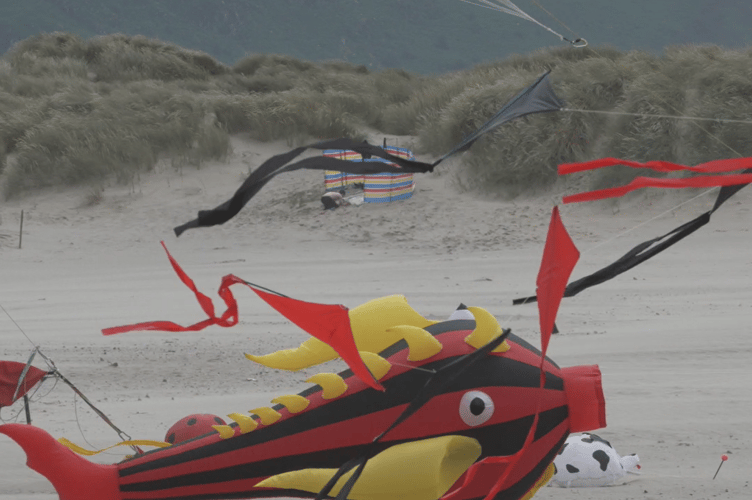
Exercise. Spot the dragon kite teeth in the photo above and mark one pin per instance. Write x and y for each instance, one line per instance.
(332, 385)
(293, 402)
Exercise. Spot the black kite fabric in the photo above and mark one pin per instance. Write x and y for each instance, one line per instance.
(537, 98)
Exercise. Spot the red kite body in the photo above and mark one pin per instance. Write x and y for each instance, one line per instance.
(479, 417)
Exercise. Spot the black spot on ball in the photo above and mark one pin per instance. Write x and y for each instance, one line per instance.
(572, 469)
(477, 406)
(592, 438)
(191, 421)
(219, 421)
(171, 438)
(562, 448)
(602, 459)
(556, 471)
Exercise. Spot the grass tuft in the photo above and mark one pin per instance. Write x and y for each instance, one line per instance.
(77, 112)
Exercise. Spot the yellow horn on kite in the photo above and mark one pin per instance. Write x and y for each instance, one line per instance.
(486, 329)
(225, 431)
(311, 352)
(376, 364)
(422, 344)
(268, 416)
(295, 403)
(373, 323)
(370, 324)
(332, 384)
(246, 423)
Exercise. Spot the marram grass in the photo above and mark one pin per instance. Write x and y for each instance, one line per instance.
(76, 112)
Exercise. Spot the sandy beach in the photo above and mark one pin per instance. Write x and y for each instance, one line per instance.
(672, 336)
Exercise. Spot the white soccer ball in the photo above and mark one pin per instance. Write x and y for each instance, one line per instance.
(588, 460)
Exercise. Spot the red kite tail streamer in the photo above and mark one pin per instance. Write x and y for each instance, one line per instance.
(203, 300)
(645, 182)
(229, 318)
(560, 255)
(328, 323)
(711, 167)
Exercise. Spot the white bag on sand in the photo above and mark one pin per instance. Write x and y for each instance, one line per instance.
(586, 460)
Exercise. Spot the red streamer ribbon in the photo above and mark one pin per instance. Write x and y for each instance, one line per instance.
(711, 167)
(645, 182)
(328, 323)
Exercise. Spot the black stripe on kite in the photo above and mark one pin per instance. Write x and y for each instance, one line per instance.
(645, 250)
(537, 98)
(515, 430)
(402, 389)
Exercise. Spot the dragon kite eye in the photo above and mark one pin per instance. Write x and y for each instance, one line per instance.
(476, 408)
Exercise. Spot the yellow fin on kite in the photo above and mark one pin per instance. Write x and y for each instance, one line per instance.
(369, 323)
(268, 416)
(372, 322)
(295, 403)
(376, 364)
(309, 353)
(136, 442)
(422, 344)
(416, 470)
(332, 384)
(225, 431)
(486, 329)
(246, 423)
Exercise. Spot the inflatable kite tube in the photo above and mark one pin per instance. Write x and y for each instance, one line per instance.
(479, 403)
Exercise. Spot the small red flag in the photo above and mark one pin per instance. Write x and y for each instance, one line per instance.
(10, 373)
(559, 258)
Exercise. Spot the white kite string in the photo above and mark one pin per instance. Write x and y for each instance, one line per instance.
(623, 233)
(18, 326)
(513, 10)
(650, 115)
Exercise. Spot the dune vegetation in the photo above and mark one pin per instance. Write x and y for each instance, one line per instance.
(75, 112)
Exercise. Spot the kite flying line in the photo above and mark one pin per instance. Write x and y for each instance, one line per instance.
(508, 7)
(651, 115)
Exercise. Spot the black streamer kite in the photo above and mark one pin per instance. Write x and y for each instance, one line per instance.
(537, 98)
(645, 250)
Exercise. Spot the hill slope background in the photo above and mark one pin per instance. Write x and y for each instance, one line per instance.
(423, 36)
